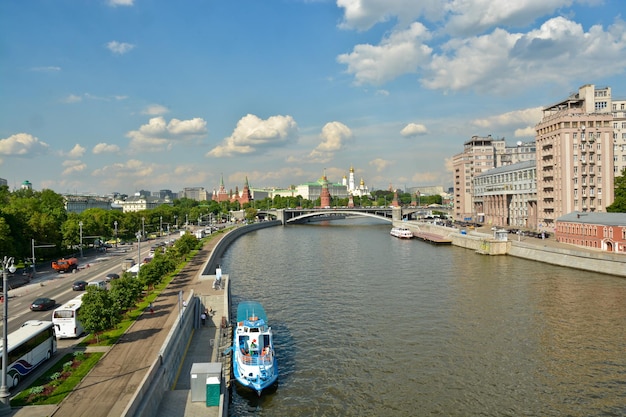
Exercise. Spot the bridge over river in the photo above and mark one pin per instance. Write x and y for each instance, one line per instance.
(390, 214)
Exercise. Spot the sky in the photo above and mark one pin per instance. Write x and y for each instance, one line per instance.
(103, 96)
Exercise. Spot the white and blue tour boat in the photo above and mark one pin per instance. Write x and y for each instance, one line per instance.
(254, 360)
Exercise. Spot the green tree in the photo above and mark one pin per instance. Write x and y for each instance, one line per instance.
(125, 291)
(251, 214)
(619, 203)
(99, 311)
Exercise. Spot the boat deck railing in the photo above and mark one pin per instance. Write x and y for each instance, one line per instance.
(256, 360)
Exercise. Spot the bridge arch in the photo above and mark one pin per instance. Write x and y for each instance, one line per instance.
(330, 213)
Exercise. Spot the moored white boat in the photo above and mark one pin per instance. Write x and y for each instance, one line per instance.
(401, 232)
(254, 359)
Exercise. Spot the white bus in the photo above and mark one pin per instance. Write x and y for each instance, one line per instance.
(29, 346)
(65, 319)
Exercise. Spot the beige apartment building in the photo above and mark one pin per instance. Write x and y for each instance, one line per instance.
(506, 196)
(479, 154)
(619, 136)
(574, 142)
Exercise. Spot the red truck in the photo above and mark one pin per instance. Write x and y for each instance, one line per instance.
(65, 265)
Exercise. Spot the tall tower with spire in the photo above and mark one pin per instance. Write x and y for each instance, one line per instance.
(325, 194)
(222, 194)
(351, 179)
(246, 196)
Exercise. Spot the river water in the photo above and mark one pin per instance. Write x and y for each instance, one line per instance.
(369, 325)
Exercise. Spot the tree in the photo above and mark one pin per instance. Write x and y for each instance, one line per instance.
(619, 203)
(125, 291)
(251, 214)
(99, 311)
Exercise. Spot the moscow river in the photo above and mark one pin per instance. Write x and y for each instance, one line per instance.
(369, 325)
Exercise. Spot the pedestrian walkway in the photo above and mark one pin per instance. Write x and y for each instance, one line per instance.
(202, 349)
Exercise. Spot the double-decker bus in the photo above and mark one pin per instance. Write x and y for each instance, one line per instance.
(65, 319)
(28, 347)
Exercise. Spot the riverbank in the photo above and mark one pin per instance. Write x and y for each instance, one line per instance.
(547, 250)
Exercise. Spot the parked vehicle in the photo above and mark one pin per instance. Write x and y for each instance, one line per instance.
(42, 303)
(65, 319)
(65, 265)
(29, 346)
(79, 285)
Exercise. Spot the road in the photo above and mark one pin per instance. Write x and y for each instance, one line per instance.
(48, 283)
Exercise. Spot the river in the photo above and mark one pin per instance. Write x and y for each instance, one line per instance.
(369, 325)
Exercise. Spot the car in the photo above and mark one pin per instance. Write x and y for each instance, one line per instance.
(42, 303)
(111, 276)
(79, 285)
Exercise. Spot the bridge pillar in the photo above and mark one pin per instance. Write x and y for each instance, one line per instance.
(396, 214)
(280, 215)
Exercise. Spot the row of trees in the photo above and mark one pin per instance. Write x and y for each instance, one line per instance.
(103, 309)
(36, 221)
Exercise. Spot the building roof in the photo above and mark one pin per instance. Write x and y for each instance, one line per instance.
(607, 219)
(509, 168)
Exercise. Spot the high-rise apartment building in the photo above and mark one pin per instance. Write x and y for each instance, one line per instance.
(619, 136)
(479, 154)
(574, 145)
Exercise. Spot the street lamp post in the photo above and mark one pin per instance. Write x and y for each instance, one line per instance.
(143, 226)
(115, 224)
(5, 396)
(176, 221)
(138, 251)
(160, 226)
(80, 225)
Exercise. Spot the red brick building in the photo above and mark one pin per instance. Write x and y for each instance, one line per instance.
(602, 231)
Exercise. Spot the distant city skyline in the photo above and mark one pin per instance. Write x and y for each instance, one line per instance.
(124, 95)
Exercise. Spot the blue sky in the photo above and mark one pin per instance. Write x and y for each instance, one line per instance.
(100, 96)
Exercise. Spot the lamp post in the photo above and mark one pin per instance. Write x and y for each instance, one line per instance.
(80, 226)
(176, 221)
(115, 224)
(143, 226)
(161, 226)
(138, 251)
(5, 396)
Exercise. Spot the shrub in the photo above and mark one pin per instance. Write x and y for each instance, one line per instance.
(36, 390)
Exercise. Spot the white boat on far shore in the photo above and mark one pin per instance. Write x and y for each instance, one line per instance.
(402, 232)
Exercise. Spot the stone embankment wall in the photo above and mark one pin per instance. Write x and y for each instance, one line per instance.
(163, 371)
(536, 249)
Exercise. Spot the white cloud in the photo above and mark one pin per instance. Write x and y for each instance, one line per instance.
(73, 166)
(101, 148)
(524, 117)
(334, 135)
(115, 3)
(414, 129)
(400, 53)
(72, 98)
(476, 16)
(527, 132)
(501, 62)
(363, 14)
(159, 135)
(379, 164)
(76, 152)
(23, 145)
(155, 110)
(120, 48)
(254, 134)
